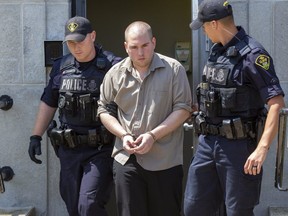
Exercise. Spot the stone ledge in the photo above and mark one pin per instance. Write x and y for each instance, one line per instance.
(17, 211)
(278, 211)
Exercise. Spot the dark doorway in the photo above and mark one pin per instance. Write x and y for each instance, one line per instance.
(168, 19)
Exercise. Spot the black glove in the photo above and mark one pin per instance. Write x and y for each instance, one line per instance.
(35, 148)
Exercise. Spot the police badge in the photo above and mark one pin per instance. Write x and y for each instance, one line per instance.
(263, 61)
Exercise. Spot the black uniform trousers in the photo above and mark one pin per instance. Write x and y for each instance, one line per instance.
(86, 179)
(216, 174)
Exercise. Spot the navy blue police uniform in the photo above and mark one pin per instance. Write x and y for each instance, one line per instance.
(81, 142)
(238, 79)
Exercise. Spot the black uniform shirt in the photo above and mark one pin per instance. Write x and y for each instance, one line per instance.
(256, 69)
(90, 76)
(50, 96)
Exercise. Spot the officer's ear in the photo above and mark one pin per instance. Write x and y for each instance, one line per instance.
(93, 36)
(214, 24)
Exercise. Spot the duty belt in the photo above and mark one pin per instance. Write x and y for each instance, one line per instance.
(231, 129)
(93, 140)
(70, 139)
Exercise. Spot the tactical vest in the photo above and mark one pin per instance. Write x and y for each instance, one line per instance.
(219, 96)
(79, 90)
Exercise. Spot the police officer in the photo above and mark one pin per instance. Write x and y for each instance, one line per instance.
(81, 142)
(238, 80)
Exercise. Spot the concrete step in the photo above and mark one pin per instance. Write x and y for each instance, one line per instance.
(278, 211)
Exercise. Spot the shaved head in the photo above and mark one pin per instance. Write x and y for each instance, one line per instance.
(140, 44)
(138, 28)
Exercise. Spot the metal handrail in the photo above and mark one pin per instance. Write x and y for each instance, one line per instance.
(280, 152)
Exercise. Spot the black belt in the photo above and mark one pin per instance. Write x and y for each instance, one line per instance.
(72, 139)
(232, 129)
(85, 139)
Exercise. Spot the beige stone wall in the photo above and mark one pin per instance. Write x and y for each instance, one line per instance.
(25, 25)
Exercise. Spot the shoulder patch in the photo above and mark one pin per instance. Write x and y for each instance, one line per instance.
(263, 61)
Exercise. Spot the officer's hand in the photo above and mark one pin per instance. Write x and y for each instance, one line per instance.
(35, 148)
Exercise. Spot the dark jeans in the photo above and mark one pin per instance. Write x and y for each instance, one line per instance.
(140, 192)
